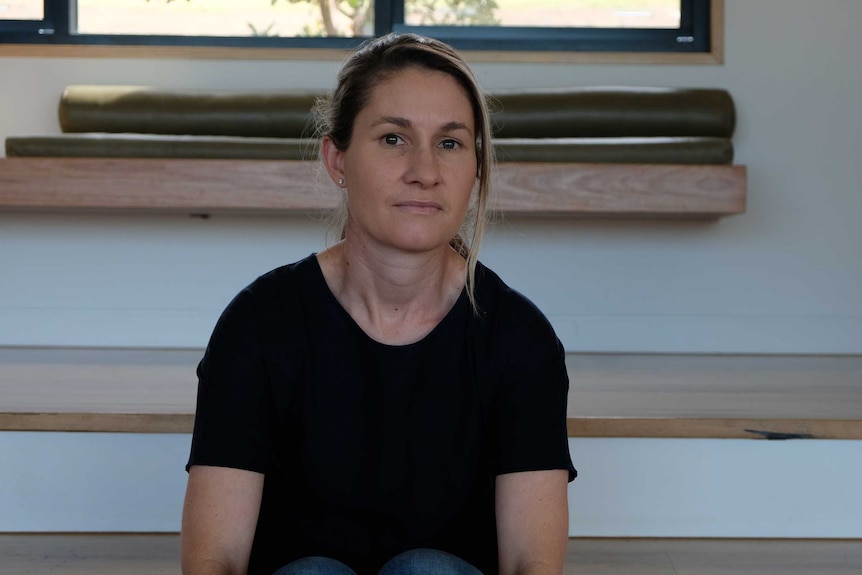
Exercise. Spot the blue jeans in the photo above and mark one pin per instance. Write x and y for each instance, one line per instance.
(413, 562)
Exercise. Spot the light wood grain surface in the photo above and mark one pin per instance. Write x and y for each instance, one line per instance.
(278, 187)
(125, 390)
(715, 396)
(152, 390)
(150, 52)
(159, 554)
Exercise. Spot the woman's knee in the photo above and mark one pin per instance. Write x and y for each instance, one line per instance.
(315, 566)
(428, 562)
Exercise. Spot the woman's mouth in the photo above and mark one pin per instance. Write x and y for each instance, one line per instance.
(419, 206)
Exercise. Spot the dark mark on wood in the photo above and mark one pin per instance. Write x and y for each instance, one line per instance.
(778, 435)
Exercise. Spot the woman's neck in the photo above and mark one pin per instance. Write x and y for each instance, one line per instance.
(395, 297)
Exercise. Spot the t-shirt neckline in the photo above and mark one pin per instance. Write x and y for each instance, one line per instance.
(327, 294)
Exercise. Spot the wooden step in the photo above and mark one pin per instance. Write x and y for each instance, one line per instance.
(159, 554)
(611, 395)
(715, 396)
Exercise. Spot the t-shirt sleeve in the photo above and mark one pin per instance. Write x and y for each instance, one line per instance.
(233, 414)
(532, 402)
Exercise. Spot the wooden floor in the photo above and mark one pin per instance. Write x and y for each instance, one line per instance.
(712, 557)
(159, 555)
(695, 396)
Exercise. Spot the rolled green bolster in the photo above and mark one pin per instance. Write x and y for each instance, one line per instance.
(615, 112)
(616, 150)
(161, 146)
(563, 113)
(120, 109)
(585, 150)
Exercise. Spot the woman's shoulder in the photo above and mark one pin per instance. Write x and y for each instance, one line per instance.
(274, 292)
(499, 301)
(287, 275)
(283, 283)
(511, 324)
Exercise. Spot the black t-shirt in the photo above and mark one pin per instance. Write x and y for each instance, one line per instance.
(371, 449)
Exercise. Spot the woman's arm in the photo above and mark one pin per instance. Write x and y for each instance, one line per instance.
(219, 520)
(532, 522)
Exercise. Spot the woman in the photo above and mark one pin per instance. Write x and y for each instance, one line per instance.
(388, 405)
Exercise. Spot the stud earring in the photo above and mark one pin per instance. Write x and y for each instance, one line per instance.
(341, 182)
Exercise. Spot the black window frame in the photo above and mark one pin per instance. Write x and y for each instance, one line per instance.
(693, 35)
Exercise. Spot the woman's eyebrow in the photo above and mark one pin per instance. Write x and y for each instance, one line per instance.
(400, 122)
(452, 126)
(405, 123)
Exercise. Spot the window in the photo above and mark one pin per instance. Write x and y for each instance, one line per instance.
(497, 25)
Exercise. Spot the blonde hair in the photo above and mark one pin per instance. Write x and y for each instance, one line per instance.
(377, 60)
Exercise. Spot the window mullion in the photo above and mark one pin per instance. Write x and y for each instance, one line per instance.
(387, 14)
(701, 20)
(58, 18)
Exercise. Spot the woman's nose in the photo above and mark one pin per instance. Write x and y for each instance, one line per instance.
(423, 168)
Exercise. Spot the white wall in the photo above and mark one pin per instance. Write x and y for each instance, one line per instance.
(626, 488)
(785, 277)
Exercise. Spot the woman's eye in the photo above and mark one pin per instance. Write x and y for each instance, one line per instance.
(391, 140)
(449, 144)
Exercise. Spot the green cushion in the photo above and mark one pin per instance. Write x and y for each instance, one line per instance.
(588, 150)
(616, 150)
(160, 146)
(143, 110)
(615, 112)
(563, 113)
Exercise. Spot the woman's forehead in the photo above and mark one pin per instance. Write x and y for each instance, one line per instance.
(419, 91)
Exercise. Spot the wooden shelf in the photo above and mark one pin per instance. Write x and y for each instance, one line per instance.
(686, 396)
(284, 187)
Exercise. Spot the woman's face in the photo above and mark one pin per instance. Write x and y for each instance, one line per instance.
(411, 164)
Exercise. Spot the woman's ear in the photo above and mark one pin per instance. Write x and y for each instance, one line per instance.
(333, 159)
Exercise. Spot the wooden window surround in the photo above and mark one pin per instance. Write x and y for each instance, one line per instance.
(713, 57)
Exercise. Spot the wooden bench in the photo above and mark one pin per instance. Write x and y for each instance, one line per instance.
(150, 554)
(611, 395)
